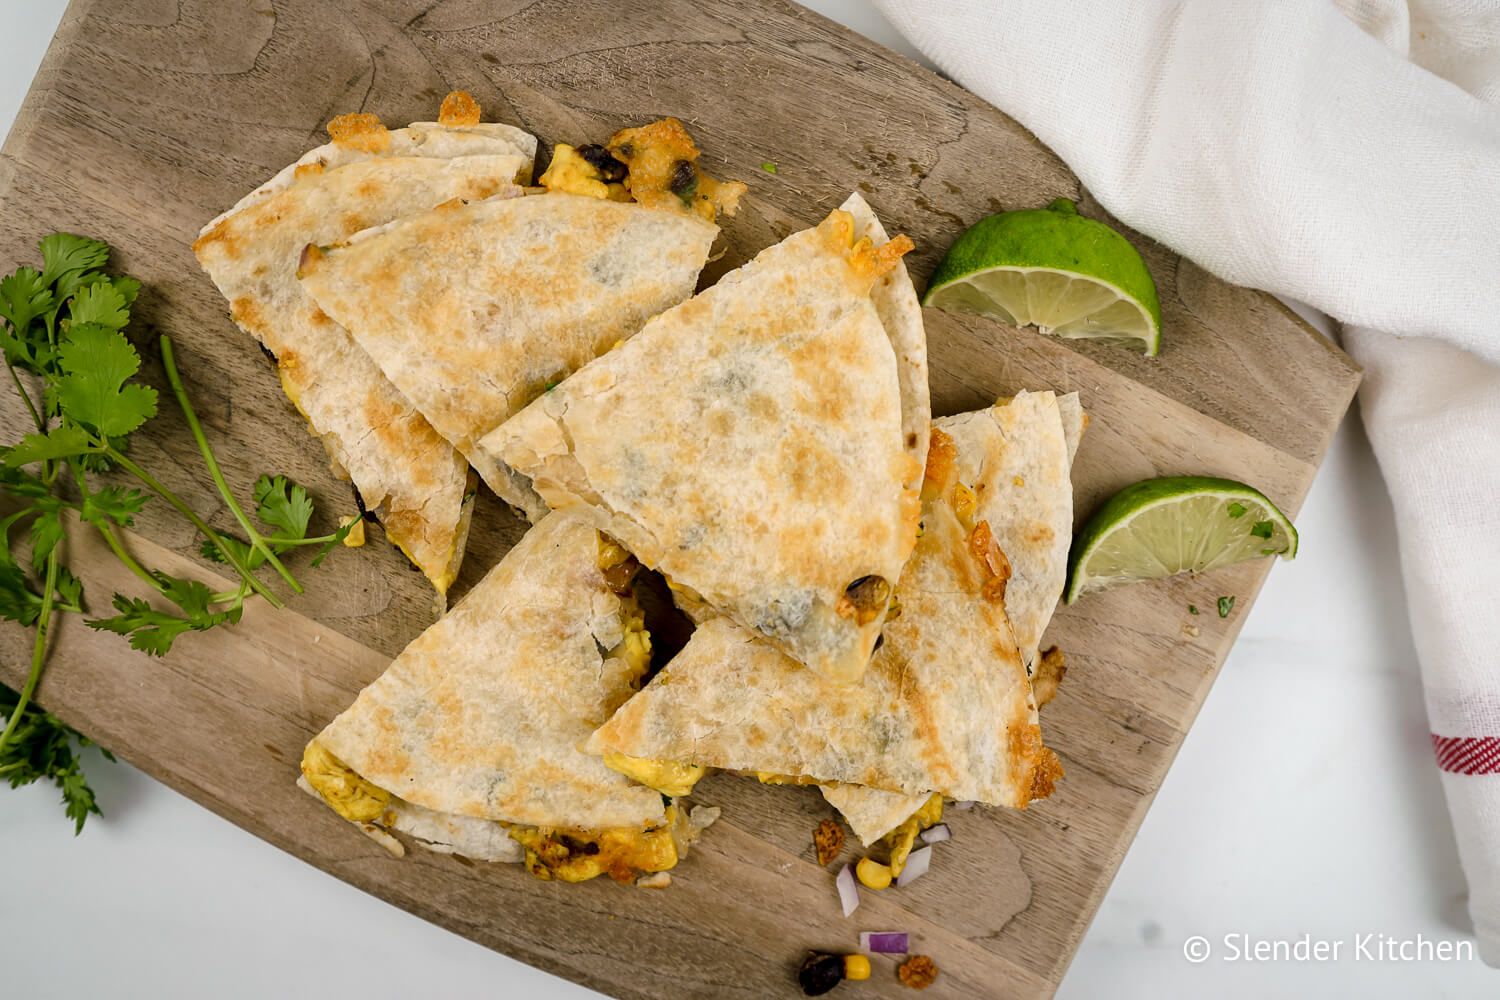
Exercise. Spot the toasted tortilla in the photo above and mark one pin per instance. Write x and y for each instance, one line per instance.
(1017, 457)
(749, 444)
(481, 716)
(406, 473)
(900, 313)
(426, 139)
(475, 310)
(945, 707)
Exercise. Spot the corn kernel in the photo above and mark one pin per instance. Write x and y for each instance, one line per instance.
(872, 874)
(356, 536)
(856, 967)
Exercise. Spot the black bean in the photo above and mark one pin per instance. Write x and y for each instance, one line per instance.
(610, 169)
(684, 179)
(820, 973)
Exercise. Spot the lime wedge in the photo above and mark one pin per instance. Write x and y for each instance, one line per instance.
(1053, 269)
(1182, 524)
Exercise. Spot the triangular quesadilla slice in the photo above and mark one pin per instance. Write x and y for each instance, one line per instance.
(406, 474)
(946, 706)
(751, 445)
(1016, 458)
(469, 742)
(474, 310)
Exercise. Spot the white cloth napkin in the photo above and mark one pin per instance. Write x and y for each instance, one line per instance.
(1346, 155)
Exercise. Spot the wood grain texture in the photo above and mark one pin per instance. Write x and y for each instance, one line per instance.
(150, 116)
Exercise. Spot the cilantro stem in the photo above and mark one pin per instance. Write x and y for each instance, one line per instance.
(256, 541)
(26, 398)
(197, 522)
(38, 649)
(121, 553)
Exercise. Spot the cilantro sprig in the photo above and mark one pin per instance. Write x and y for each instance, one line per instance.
(61, 332)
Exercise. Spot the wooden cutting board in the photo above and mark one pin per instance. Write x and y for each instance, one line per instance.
(151, 116)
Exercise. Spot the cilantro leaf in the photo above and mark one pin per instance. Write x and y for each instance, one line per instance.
(283, 505)
(1226, 605)
(97, 363)
(149, 630)
(152, 631)
(63, 441)
(18, 602)
(46, 532)
(128, 288)
(117, 503)
(100, 303)
(69, 588)
(65, 256)
(1261, 529)
(43, 748)
(17, 481)
(1236, 509)
(24, 296)
(250, 558)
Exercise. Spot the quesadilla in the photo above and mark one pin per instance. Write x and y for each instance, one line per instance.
(1017, 456)
(405, 473)
(946, 706)
(758, 444)
(469, 741)
(474, 310)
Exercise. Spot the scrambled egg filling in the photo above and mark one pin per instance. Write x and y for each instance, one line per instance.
(653, 165)
(904, 837)
(346, 793)
(571, 172)
(668, 777)
(577, 856)
(771, 778)
(619, 568)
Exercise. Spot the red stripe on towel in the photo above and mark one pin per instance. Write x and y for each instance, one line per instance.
(1467, 754)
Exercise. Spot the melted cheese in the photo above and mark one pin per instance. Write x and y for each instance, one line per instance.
(571, 173)
(668, 777)
(577, 855)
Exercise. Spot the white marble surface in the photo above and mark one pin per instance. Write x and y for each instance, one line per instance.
(1304, 802)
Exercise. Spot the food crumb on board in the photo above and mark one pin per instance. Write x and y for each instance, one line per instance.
(828, 838)
(918, 972)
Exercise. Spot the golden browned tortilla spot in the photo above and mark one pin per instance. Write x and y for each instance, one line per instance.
(362, 131)
(459, 108)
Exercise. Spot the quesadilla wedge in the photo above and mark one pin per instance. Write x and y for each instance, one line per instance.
(469, 740)
(754, 444)
(946, 706)
(1016, 458)
(473, 310)
(406, 474)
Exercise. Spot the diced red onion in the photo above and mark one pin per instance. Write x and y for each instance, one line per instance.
(848, 890)
(937, 834)
(963, 806)
(916, 866)
(884, 942)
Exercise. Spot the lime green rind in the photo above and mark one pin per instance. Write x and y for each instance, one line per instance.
(1123, 510)
(1057, 239)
